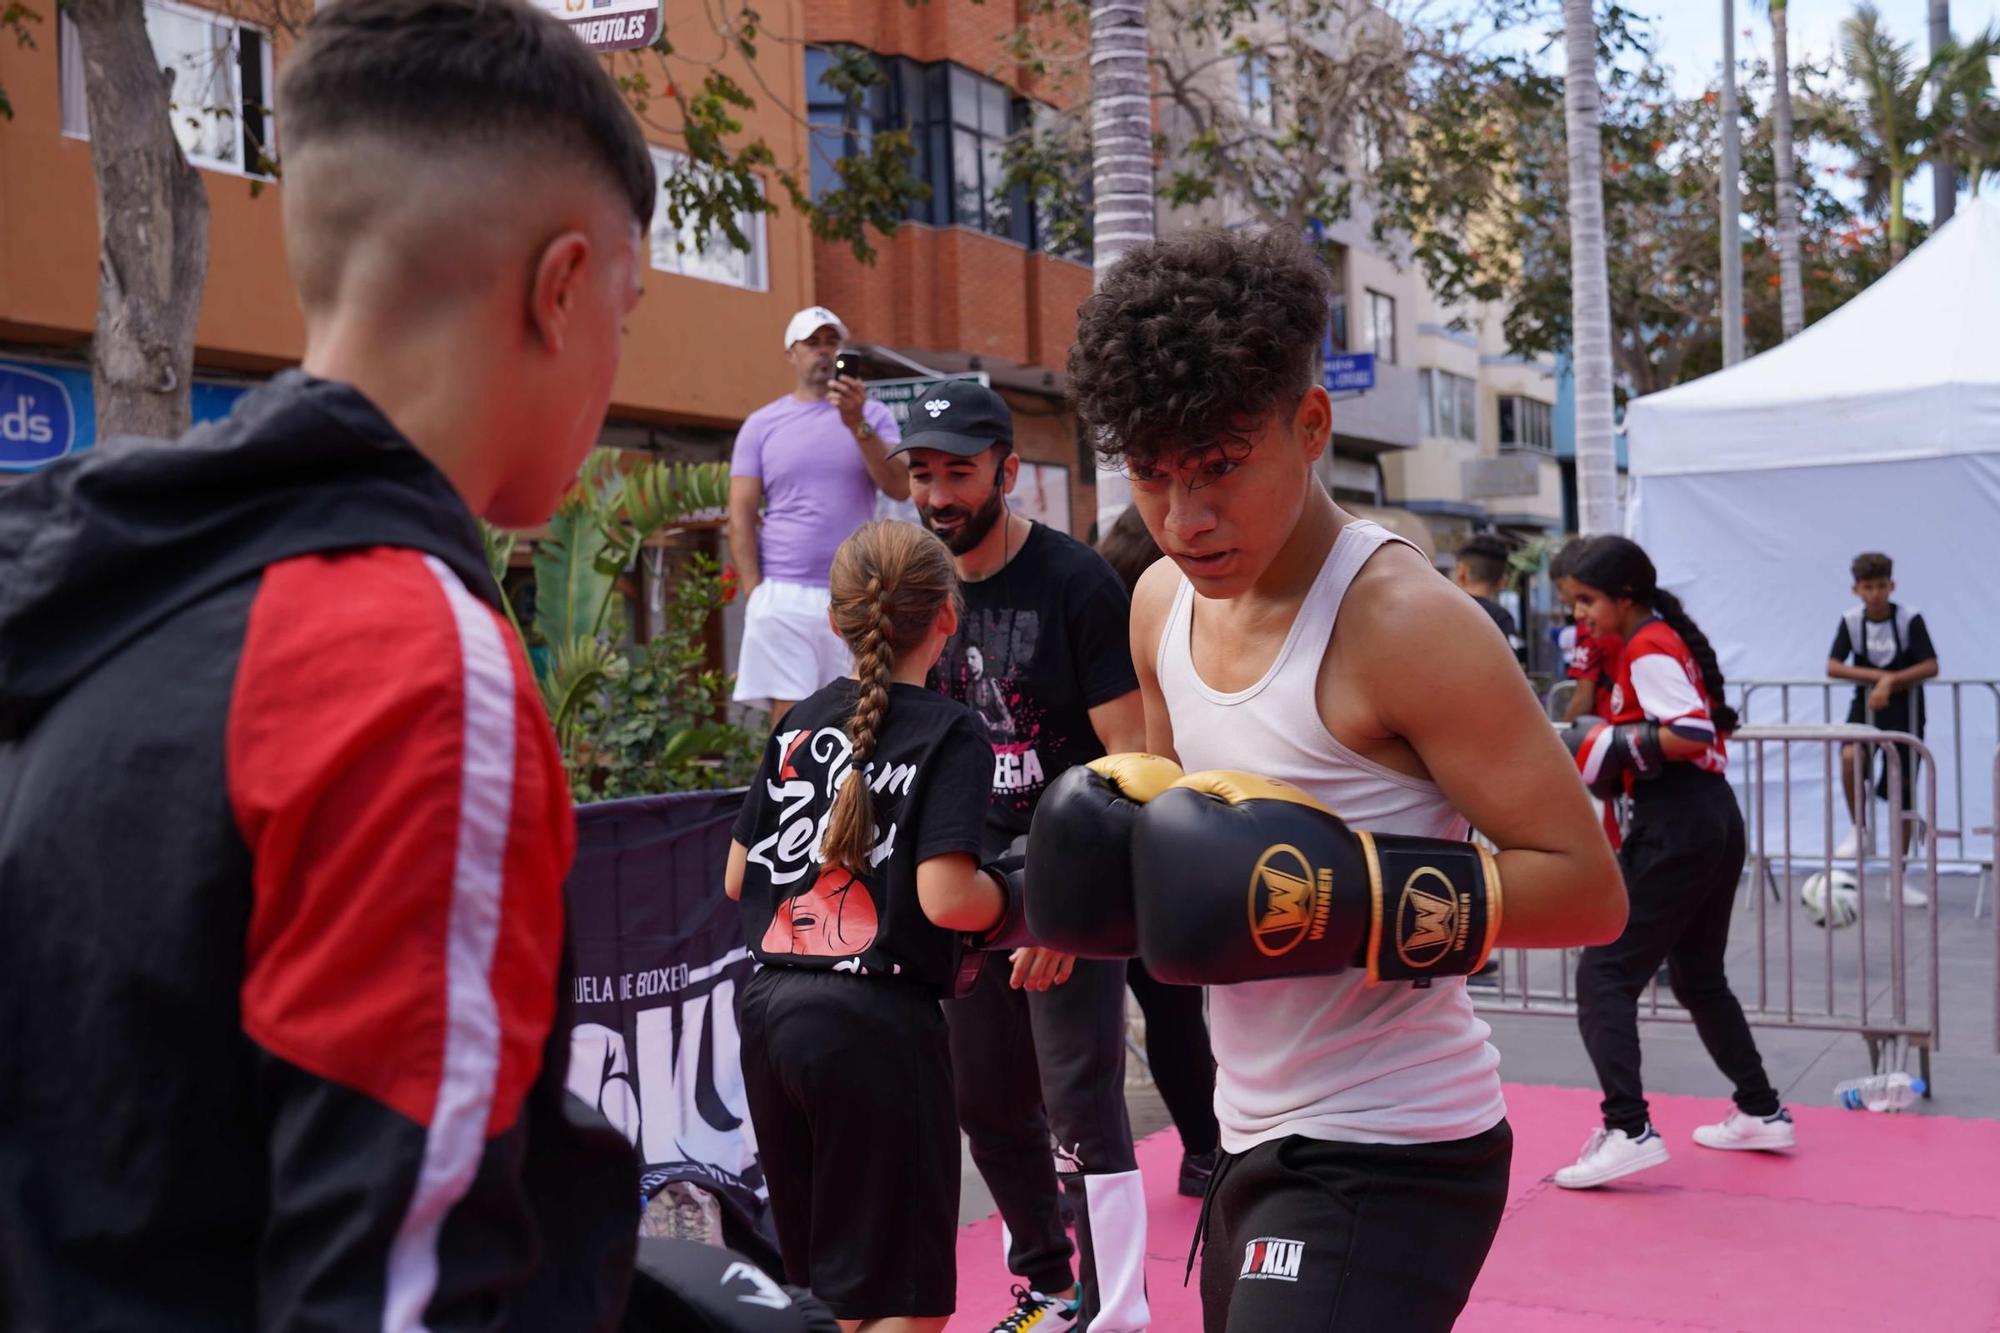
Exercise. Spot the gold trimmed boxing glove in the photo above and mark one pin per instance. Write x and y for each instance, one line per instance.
(1244, 878)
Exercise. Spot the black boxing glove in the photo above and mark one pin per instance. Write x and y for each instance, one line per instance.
(1605, 752)
(1079, 871)
(1242, 878)
(1009, 871)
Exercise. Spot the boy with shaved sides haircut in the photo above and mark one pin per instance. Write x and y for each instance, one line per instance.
(285, 828)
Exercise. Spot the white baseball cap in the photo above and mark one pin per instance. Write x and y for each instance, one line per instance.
(810, 321)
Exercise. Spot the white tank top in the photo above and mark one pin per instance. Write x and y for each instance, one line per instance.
(1328, 1057)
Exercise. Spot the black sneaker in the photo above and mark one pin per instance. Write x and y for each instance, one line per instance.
(1036, 1313)
(1196, 1171)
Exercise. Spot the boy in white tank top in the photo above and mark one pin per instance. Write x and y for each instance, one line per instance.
(1366, 1144)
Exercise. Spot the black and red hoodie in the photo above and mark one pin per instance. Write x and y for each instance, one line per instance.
(283, 832)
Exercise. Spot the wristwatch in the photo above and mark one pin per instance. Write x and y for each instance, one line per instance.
(864, 431)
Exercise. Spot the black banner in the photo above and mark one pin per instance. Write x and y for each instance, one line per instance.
(659, 959)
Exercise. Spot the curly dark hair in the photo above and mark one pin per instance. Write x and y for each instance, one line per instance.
(1192, 338)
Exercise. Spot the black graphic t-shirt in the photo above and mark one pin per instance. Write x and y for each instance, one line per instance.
(1043, 641)
(928, 776)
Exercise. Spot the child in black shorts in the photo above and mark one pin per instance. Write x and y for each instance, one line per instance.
(855, 861)
(1885, 648)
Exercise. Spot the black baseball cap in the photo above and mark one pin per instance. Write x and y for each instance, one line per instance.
(961, 417)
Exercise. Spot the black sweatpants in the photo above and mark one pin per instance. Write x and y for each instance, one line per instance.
(1682, 858)
(1047, 1068)
(849, 1084)
(1304, 1234)
(1177, 1052)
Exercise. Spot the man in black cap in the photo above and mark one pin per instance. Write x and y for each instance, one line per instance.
(1043, 653)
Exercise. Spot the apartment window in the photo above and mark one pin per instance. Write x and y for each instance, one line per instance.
(1527, 425)
(716, 260)
(840, 128)
(1450, 405)
(959, 123)
(1381, 328)
(1253, 86)
(219, 90)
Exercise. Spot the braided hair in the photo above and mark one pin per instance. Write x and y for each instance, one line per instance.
(1621, 568)
(888, 583)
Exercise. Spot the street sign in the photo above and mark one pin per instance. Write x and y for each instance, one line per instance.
(1350, 372)
(609, 25)
(897, 395)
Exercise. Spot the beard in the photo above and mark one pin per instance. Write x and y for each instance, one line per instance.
(972, 526)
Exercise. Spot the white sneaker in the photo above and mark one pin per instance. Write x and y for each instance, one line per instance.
(1612, 1154)
(1749, 1133)
(1850, 846)
(1911, 897)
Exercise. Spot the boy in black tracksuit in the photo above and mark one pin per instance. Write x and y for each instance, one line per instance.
(1886, 650)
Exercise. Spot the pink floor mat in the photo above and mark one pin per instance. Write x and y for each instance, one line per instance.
(1875, 1223)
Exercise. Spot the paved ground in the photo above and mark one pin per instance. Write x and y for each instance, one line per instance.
(1542, 1048)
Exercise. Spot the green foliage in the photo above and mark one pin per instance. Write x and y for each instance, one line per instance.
(649, 722)
(15, 17)
(631, 719)
(722, 178)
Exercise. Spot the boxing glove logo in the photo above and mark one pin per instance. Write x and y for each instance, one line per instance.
(1429, 924)
(1288, 900)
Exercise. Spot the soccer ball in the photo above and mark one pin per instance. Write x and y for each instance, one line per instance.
(1837, 909)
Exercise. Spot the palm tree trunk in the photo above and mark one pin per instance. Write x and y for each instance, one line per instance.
(1899, 233)
(1121, 167)
(1944, 173)
(1590, 292)
(1732, 199)
(1791, 281)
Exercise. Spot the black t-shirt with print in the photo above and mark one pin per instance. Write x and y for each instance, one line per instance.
(1044, 640)
(1896, 643)
(929, 775)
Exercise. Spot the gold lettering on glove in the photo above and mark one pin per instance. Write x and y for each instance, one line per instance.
(1288, 900)
(1431, 922)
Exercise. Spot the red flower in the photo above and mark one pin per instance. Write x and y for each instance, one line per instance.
(731, 581)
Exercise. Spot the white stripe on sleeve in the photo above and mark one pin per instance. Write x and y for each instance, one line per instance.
(1665, 691)
(455, 1139)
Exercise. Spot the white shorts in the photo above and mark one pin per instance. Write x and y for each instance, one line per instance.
(789, 649)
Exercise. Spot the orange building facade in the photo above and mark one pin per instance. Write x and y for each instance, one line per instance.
(962, 287)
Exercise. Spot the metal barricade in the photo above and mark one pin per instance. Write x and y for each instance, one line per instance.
(1556, 701)
(1831, 983)
(1823, 701)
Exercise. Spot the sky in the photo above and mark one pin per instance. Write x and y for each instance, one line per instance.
(1688, 38)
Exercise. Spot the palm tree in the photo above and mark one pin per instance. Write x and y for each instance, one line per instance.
(1882, 125)
(1886, 125)
(1121, 166)
(1596, 461)
(1791, 281)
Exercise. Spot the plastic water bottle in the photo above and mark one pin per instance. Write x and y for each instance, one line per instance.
(1880, 1092)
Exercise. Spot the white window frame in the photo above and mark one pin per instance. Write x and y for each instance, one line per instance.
(1252, 71)
(1375, 299)
(1526, 439)
(665, 162)
(71, 73)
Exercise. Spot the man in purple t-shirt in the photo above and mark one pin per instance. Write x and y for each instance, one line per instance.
(811, 462)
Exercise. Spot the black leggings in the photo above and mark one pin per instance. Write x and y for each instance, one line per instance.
(1178, 1054)
(1682, 860)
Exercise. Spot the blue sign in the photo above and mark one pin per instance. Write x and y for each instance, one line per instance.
(38, 416)
(1350, 372)
(47, 411)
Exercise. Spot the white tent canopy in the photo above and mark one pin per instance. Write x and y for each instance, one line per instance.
(1878, 428)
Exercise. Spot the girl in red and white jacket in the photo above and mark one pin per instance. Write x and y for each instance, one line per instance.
(1682, 857)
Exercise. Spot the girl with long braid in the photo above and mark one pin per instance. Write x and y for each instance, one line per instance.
(855, 862)
(1682, 857)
